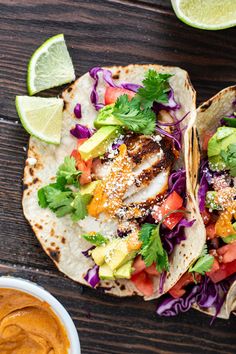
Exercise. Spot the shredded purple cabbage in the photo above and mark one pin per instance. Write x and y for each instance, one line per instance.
(92, 276)
(206, 294)
(171, 105)
(81, 131)
(107, 77)
(162, 282)
(163, 132)
(86, 253)
(77, 111)
(177, 183)
(174, 237)
(205, 181)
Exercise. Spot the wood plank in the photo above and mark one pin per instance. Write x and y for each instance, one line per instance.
(102, 33)
(94, 38)
(103, 322)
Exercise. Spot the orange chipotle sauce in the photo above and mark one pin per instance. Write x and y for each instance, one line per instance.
(29, 326)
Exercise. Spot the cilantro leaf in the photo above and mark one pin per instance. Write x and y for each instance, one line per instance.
(155, 89)
(68, 171)
(58, 201)
(204, 262)
(96, 239)
(79, 205)
(134, 118)
(152, 249)
(229, 157)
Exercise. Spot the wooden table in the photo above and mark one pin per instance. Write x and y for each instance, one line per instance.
(102, 33)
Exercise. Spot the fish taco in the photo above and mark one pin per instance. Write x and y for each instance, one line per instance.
(112, 205)
(210, 283)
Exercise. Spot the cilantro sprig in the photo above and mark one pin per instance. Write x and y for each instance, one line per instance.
(137, 114)
(134, 118)
(61, 199)
(204, 263)
(152, 250)
(155, 89)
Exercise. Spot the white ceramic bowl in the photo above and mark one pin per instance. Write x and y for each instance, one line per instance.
(37, 291)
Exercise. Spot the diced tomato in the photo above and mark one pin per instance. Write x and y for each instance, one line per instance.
(143, 283)
(172, 202)
(227, 253)
(151, 270)
(211, 231)
(84, 166)
(206, 216)
(224, 271)
(138, 265)
(206, 138)
(112, 93)
(178, 289)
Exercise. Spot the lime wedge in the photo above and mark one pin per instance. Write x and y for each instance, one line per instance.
(50, 66)
(206, 14)
(41, 117)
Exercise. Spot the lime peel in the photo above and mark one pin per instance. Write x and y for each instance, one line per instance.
(41, 117)
(207, 14)
(50, 66)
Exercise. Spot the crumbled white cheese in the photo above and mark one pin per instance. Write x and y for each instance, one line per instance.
(31, 161)
(157, 138)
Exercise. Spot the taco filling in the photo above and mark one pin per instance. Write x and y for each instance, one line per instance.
(120, 184)
(209, 279)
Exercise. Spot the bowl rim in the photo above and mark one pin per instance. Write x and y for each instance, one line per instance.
(39, 292)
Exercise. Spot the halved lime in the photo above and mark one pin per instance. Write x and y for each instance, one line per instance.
(50, 66)
(41, 117)
(206, 14)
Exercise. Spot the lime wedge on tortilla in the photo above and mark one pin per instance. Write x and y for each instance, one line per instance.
(206, 14)
(41, 117)
(50, 66)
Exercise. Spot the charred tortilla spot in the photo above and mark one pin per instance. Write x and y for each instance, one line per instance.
(52, 232)
(65, 105)
(63, 240)
(52, 244)
(40, 227)
(122, 287)
(54, 254)
(25, 186)
(31, 171)
(127, 71)
(206, 105)
(117, 282)
(116, 76)
(69, 89)
(35, 180)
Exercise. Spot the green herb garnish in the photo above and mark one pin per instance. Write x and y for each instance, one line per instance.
(96, 239)
(142, 121)
(155, 89)
(204, 263)
(62, 200)
(152, 249)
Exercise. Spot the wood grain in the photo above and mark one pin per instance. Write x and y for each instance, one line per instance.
(102, 33)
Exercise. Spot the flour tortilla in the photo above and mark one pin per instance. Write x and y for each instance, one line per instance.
(59, 237)
(208, 119)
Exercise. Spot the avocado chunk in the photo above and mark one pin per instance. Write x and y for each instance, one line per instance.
(210, 201)
(105, 272)
(219, 142)
(99, 142)
(124, 272)
(98, 255)
(89, 188)
(106, 117)
(117, 254)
